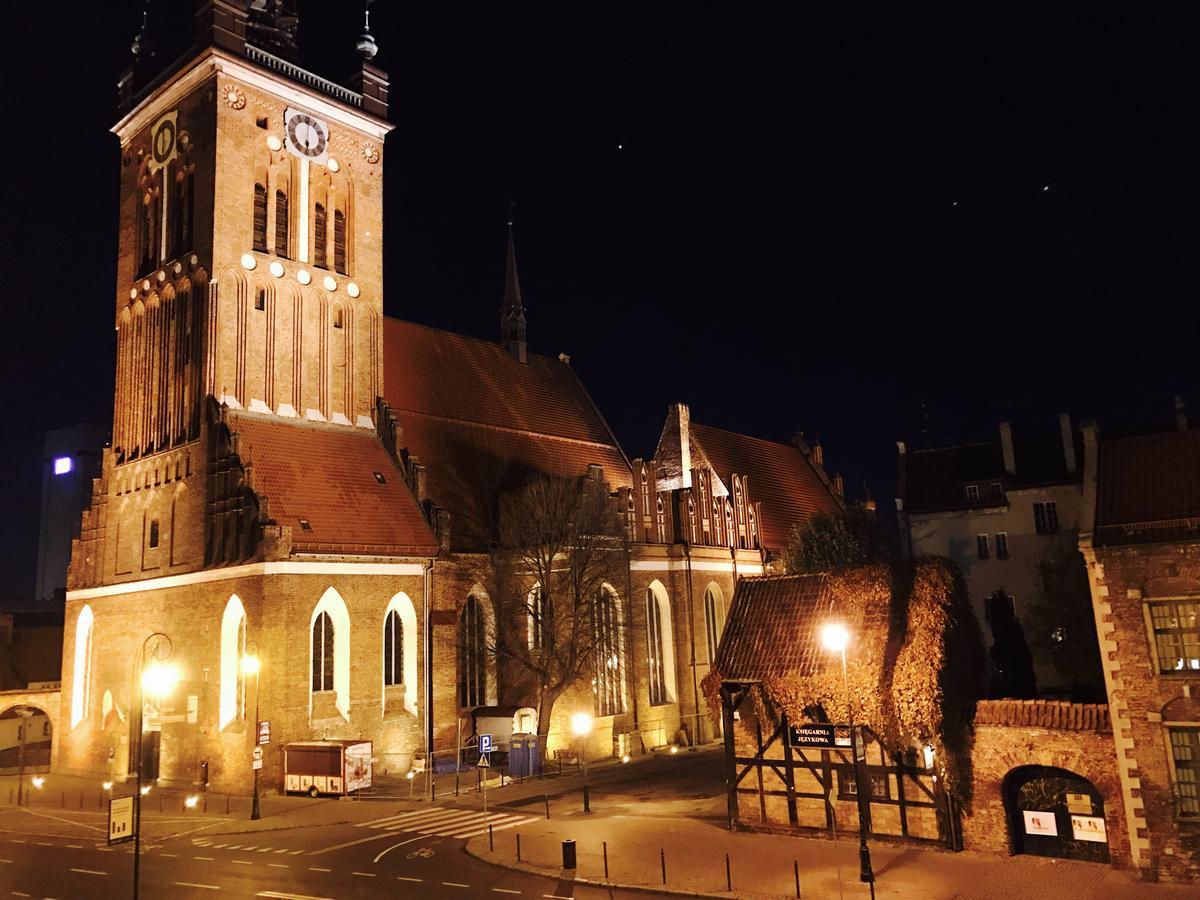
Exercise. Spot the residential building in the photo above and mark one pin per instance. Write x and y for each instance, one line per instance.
(70, 460)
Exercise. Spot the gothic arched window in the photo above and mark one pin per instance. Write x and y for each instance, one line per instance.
(660, 645)
(260, 218)
(339, 241)
(322, 653)
(713, 613)
(281, 224)
(320, 255)
(538, 610)
(393, 649)
(81, 688)
(608, 657)
(472, 655)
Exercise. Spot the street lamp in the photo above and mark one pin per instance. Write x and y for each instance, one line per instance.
(157, 679)
(835, 637)
(581, 727)
(251, 666)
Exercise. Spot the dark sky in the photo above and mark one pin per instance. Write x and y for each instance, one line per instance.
(865, 224)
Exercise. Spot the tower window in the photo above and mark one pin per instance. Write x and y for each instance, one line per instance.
(339, 241)
(337, 318)
(281, 224)
(320, 253)
(261, 121)
(153, 533)
(260, 298)
(260, 218)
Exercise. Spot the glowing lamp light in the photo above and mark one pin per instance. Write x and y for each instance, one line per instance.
(160, 679)
(145, 789)
(38, 781)
(835, 637)
(63, 465)
(410, 775)
(625, 758)
(674, 750)
(928, 757)
(107, 785)
(581, 724)
(250, 665)
(191, 802)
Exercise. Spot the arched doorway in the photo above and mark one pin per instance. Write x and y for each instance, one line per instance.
(25, 739)
(1053, 812)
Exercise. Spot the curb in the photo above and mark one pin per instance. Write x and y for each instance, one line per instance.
(592, 882)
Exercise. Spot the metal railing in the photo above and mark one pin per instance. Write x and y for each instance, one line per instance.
(293, 71)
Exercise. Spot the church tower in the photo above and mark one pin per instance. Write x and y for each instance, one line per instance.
(512, 313)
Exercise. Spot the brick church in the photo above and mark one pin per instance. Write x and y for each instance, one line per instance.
(294, 475)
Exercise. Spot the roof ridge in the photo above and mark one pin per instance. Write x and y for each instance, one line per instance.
(470, 337)
(752, 437)
(507, 430)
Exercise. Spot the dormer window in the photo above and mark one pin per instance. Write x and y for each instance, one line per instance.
(972, 493)
(305, 525)
(379, 477)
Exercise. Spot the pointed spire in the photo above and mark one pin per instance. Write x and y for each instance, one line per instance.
(142, 48)
(512, 316)
(366, 46)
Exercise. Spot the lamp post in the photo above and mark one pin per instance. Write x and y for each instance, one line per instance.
(835, 637)
(22, 727)
(581, 726)
(251, 666)
(158, 679)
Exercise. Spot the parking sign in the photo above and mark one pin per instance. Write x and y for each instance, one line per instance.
(485, 743)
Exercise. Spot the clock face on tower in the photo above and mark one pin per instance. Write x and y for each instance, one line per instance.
(307, 136)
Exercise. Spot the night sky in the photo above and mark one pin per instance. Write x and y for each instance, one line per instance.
(863, 225)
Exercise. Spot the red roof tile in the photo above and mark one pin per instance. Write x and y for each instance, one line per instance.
(781, 477)
(481, 422)
(325, 475)
(1148, 478)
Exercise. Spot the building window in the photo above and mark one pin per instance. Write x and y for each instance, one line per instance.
(972, 493)
(848, 785)
(337, 317)
(1001, 545)
(660, 646)
(608, 665)
(393, 649)
(339, 241)
(319, 239)
(981, 546)
(232, 700)
(63, 465)
(153, 533)
(1045, 517)
(322, 653)
(712, 621)
(1176, 626)
(537, 611)
(281, 224)
(472, 655)
(1185, 754)
(81, 686)
(260, 218)
(994, 490)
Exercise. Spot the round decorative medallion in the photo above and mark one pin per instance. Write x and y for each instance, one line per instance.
(303, 277)
(146, 284)
(133, 293)
(370, 153)
(333, 164)
(352, 289)
(274, 143)
(194, 260)
(330, 283)
(248, 261)
(162, 276)
(276, 269)
(177, 268)
(233, 97)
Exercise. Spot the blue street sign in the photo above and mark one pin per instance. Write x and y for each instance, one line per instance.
(485, 743)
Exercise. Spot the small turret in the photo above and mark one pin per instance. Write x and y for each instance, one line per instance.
(512, 315)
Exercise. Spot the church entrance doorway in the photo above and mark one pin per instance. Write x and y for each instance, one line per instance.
(1053, 812)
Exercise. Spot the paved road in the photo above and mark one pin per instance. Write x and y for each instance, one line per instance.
(404, 850)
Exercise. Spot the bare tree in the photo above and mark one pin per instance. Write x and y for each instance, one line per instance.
(560, 543)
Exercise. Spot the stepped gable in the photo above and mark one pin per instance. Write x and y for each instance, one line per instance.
(781, 477)
(325, 475)
(481, 421)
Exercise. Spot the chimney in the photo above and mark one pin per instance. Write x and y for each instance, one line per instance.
(1181, 420)
(818, 455)
(1068, 439)
(1006, 447)
(839, 486)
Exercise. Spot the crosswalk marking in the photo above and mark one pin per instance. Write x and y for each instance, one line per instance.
(452, 823)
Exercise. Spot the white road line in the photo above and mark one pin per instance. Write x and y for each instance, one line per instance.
(242, 862)
(247, 847)
(557, 897)
(282, 850)
(406, 878)
(364, 874)
(19, 894)
(283, 896)
(43, 843)
(387, 820)
(505, 891)
(16, 840)
(456, 884)
(204, 858)
(75, 846)
(172, 855)
(222, 846)
(410, 822)
(278, 865)
(5, 860)
(295, 852)
(478, 828)
(207, 887)
(433, 821)
(267, 850)
(88, 872)
(107, 849)
(318, 869)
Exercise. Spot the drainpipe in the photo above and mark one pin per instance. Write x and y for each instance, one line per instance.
(631, 666)
(426, 604)
(687, 554)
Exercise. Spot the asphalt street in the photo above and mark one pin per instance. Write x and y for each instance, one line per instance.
(403, 850)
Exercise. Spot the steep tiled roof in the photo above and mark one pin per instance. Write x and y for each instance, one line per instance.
(780, 476)
(326, 476)
(481, 421)
(935, 479)
(1051, 714)
(773, 628)
(1148, 487)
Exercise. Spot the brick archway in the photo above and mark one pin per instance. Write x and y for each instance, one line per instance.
(47, 701)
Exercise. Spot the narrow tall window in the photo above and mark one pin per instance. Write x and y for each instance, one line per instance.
(260, 218)
(81, 688)
(1176, 626)
(281, 224)
(654, 636)
(322, 653)
(608, 663)
(1185, 756)
(1045, 517)
(393, 649)
(981, 546)
(712, 624)
(972, 493)
(153, 533)
(187, 223)
(1001, 545)
(320, 255)
(472, 655)
(537, 618)
(339, 241)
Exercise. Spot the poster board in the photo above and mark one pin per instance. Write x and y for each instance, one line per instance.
(1041, 822)
(1089, 828)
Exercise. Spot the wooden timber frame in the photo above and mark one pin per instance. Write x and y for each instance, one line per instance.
(911, 804)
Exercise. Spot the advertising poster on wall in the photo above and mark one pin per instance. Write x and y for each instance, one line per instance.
(1040, 822)
(1089, 828)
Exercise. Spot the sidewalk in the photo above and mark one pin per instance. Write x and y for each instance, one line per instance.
(762, 865)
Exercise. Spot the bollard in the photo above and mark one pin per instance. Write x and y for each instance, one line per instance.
(568, 850)
(728, 874)
(226, 804)
(796, 869)
(546, 798)
(605, 860)
(518, 847)
(491, 839)
(205, 807)
(662, 856)
(587, 805)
